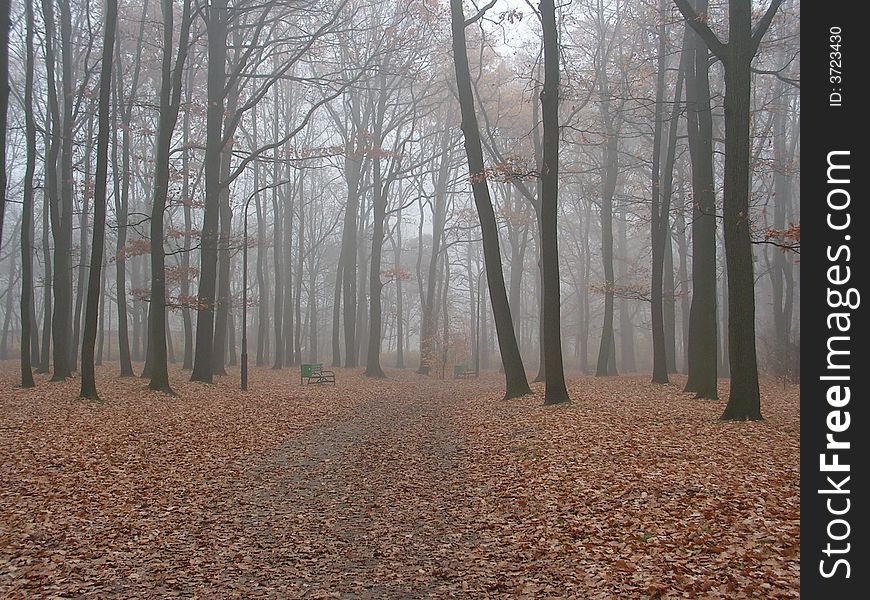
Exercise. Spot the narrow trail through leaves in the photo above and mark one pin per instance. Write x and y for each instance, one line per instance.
(408, 487)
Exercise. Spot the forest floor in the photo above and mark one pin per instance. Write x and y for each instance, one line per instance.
(400, 488)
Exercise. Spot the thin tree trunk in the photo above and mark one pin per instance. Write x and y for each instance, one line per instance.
(606, 348)
(122, 200)
(439, 216)
(187, 201)
(277, 256)
(27, 248)
(60, 291)
(682, 246)
(45, 357)
(89, 335)
(300, 258)
(286, 339)
(7, 309)
(628, 363)
(669, 308)
(101, 326)
(336, 316)
(82, 281)
(5, 24)
(659, 215)
(170, 102)
(400, 311)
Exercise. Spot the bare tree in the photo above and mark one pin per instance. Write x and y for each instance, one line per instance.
(89, 336)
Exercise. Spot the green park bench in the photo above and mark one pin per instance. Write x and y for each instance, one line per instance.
(314, 373)
(461, 372)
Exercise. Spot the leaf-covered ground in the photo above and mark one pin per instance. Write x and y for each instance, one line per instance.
(402, 488)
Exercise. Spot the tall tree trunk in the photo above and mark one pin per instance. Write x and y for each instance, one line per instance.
(628, 362)
(605, 365)
(89, 335)
(224, 304)
(669, 308)
(262, 288)
(336, 315)
(312, 310)
(187, 202)
(400, 311)
(701, 348)
(361, 338)
(352, 170)
(682, 246)
(27, 248)
(373, 355)
(660, 367)
(101, 326)
(300, 263)
(82, 280)
(286, 339)
(744, 400)
(516, 383)
(439, 216)
(5, 24)
(381, 194)
(122, 201)
(170, 102)
(555, 390)
(35, 351)
(277, 255)
(781, 271)
(216, 89)
(663, 258)
(60, 289)
(47, 309)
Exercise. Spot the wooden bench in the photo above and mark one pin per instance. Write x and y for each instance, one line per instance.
(313, 373)
(461, 372)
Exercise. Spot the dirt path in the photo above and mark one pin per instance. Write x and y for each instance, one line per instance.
(409, 487)
(374, 505)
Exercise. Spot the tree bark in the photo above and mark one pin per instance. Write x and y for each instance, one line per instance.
(744, 401)
(660, 368)
(628, 362)
(605, 365)
(701, 348)
(170, 102)
(217, 58)
(352, 170)
(122, 200)
(187, 201)
(89, 335)
(555, 389)
(47, 309)
(60, 281)
(26, 301)
(516, 383)
(82, 280)
(5, 24)
(439, 216)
